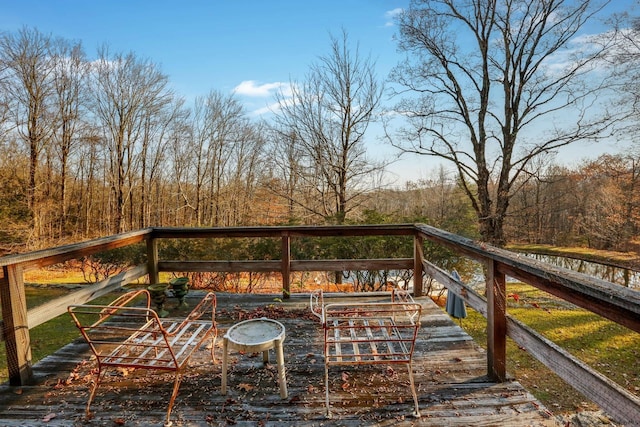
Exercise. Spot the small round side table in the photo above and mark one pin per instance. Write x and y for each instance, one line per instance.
(253, 336)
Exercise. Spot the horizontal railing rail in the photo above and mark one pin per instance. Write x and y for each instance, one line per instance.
(614, 302)
(276, 266)
(46, 257)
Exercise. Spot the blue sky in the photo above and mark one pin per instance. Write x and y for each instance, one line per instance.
(217, 44)
(251, 47)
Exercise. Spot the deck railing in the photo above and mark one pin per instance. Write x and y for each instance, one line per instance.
(614, 302)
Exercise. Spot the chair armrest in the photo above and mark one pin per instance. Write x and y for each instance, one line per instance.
(103, 312)
(399, 312)
(205, 308)
(401, 295)
(316, 304)
(126, 298)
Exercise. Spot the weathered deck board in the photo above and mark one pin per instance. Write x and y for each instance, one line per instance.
(449, 371)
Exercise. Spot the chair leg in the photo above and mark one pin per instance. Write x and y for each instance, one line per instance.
(92, 393)
(174, 394)
(326, 390)
(413, 390)
(213, 349)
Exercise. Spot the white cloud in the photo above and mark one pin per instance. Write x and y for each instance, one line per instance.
(252, 88)
(274, 107)
(391, 14)
(268, 109)
(581, 47)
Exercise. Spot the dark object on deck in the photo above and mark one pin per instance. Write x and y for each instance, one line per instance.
(455, 304)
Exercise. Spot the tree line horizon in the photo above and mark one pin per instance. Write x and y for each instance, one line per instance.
(97, 147)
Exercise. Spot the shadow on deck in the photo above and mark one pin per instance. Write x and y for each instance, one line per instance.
(449, 368)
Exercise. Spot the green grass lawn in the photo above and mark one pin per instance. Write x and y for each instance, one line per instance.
(52, 335)
(607, 347)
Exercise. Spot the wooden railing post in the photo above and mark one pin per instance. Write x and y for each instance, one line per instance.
(152, 260)
(16, 326)
(418, 256)
(286, 265)
(496, 324)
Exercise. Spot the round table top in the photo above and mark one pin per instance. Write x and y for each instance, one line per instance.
(254, 332)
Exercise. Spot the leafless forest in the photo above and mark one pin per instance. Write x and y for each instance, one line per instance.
(96, 144)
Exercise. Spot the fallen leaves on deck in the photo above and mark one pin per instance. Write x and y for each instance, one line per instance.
(245, 387)
(272, 311)
(48, 417)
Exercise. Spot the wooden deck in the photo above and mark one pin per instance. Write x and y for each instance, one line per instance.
(449, 372)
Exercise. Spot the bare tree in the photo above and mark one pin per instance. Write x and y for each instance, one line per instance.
(165, 183)
(625, 60)
(483, 73)
(226, 120)
(28, 70)
(215, 162)
(246, 166)
(4, 100)
(127, 90)
(198, 168)
(545, 206)
(70, 74)
(93, 214)
(327, 116)
(285, 160)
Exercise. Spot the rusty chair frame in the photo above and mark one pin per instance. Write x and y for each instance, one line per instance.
(124, 335)
(369, 333)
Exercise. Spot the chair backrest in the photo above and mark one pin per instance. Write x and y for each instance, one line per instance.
(371, 332)
(123, 335)
(401, 313)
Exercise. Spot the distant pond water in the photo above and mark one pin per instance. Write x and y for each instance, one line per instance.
(618, 275)
(621, 276)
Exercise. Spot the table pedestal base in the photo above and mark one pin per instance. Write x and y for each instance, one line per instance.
(253, 336)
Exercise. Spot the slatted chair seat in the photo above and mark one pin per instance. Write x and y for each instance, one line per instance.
(127, 336)
(368, 333)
